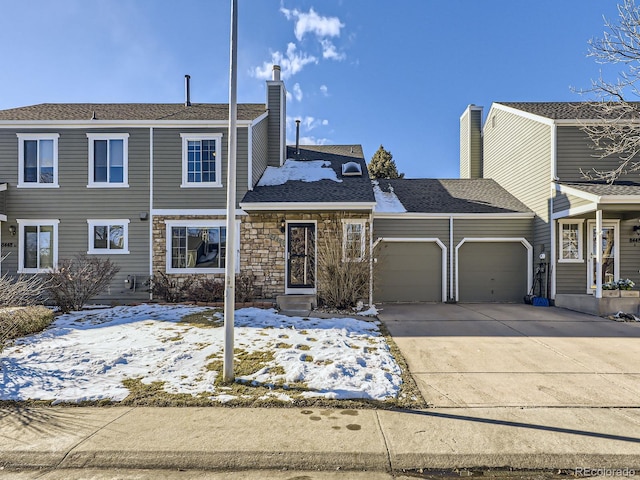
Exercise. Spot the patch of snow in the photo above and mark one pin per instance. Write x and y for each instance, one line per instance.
(87, 355)
(372, 311)
(386, 202)
(306, 171)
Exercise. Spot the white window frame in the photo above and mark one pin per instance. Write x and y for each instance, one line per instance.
(22, 223)
(170, 224)
(108, 223)
(345, 226)
(561, 224)
(194, 137)
(125, 160)
(22, 137)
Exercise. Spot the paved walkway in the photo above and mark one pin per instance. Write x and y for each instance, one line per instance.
(374, 440)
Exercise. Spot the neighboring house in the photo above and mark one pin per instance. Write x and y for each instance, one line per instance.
(141, 184)
(451, 240)
(586, 232)
(145, 185)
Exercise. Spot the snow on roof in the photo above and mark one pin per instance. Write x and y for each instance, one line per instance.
(306, 171)
(386, 202)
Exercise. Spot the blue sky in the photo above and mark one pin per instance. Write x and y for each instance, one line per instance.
(357, 71)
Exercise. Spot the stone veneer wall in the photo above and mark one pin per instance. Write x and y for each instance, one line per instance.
(262, 244)
(160, 244)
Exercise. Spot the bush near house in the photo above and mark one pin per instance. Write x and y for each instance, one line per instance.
(342, 279)
(207, 290)
(77, 280)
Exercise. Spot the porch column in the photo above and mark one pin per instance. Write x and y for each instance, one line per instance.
(598, 242)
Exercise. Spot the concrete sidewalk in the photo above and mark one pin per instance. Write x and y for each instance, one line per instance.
(314, 439)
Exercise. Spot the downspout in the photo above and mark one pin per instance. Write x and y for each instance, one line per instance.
(371, 259)
(151, 210)
(552, 222)
(599, 253)
(451, 297)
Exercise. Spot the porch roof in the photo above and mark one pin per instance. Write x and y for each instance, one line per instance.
(602, 194)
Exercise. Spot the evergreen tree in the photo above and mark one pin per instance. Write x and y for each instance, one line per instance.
(382, 165)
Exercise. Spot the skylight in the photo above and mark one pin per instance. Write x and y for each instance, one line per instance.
(351, 169)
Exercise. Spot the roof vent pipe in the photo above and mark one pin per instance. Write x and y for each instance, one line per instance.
(298, 137)
(276, 73)
(187, 90)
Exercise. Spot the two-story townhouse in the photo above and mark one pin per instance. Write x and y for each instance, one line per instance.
(586, 233)
(145, 185)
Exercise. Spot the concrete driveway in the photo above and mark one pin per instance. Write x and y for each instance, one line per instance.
(504, 355)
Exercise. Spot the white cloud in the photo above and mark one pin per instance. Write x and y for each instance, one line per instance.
(325, 123)
(325, 90)
(297, 92)
(290, 63)
(311, 140)
(311, 22)
(330, 52)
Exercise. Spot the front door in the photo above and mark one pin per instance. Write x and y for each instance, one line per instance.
(609, 246)
(301, 258)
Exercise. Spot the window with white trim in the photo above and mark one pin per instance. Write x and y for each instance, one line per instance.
(201, 160)
(353, 240)
(108, 237)
(570, 238)
(38, 240)
(108, 159)
(38, 160)
(197, 247)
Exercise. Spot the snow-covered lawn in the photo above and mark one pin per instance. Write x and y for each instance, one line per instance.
(87, 355)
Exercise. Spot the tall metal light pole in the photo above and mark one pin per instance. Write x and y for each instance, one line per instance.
(230, 257)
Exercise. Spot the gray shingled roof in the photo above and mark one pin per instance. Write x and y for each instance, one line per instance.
(430, 195)
(131, 111)
(350, 190)
(566, 110)
(604, 189)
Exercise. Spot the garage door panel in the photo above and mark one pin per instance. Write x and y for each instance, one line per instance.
(408, 272)
(492, 272)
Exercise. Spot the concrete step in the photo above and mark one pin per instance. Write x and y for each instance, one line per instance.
(296, 302)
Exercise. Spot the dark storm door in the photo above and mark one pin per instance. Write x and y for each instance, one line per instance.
(301, 256)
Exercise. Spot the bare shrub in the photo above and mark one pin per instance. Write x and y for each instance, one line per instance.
(343, 274)
(22, 291)
(170, 290)
(207, 290)
(76, 280)
(17, 322)
(245, 290)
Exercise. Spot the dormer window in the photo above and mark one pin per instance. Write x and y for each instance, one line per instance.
(351, 169)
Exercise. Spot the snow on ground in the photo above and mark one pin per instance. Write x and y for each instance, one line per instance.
(386, 202)
(86, 355)
(307, 171)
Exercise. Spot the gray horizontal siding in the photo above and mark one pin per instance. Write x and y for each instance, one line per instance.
(167, 171)
(575, 152)
(73, 203)
(517, 154)
(260, 150)
(412, 228)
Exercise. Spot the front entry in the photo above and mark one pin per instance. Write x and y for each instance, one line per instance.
(610, 261)
(301, 258)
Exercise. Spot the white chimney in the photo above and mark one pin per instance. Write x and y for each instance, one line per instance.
(276, 73)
